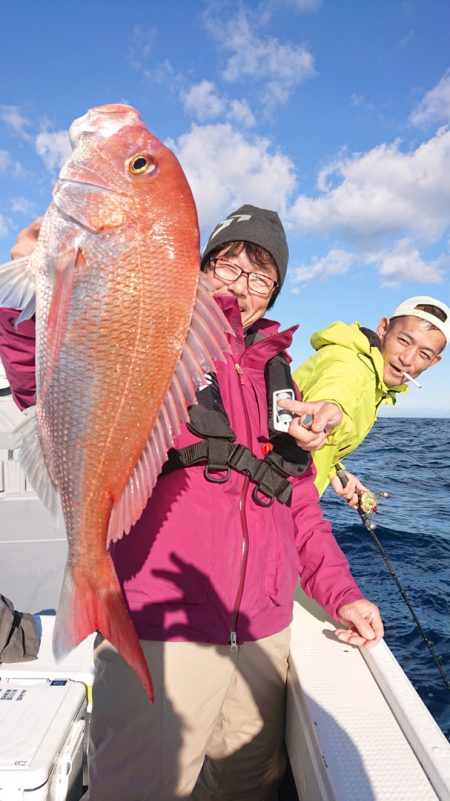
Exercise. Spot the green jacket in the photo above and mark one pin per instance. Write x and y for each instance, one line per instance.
(347, 370)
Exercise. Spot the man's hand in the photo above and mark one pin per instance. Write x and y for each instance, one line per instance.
(365, 627)
(325, 417)
(26, 240)
(350, 492)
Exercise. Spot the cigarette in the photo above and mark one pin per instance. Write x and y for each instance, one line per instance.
(410, 378)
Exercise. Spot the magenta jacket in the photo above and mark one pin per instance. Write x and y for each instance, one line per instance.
(205, 560)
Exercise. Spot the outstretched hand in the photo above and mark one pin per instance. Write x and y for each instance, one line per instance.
(26, 240)
(365, 627)
(325, 417)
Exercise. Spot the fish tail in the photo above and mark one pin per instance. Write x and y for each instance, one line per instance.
(86, 607)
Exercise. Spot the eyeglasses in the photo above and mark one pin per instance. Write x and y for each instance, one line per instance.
(228, 272)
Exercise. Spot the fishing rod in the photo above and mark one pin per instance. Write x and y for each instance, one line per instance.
(367, 506)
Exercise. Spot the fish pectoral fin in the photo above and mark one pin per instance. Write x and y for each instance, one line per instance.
(17, 289)
(32, 462)
(205, 344)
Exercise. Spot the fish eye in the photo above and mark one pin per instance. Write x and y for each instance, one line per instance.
(141, 163)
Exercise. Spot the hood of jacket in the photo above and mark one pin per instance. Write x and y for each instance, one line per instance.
(355, 340)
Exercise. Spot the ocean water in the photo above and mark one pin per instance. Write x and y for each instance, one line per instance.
(410, 459)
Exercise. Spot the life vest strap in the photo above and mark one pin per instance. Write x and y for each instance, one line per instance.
(220, 455)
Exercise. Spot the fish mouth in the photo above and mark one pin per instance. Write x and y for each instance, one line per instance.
(88, 186)
(85, 184)
(103, 121)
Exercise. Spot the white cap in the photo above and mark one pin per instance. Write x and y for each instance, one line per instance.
(409, 307)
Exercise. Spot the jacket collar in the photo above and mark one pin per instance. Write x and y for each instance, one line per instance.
(268, 340)
(376, 354)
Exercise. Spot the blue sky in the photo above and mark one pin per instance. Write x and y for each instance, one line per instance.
(333, 112)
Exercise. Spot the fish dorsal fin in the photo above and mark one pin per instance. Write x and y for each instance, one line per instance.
(205, 344)
(33, 464)
(17, 290)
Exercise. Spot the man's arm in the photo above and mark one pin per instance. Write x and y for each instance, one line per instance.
(27, 239)
(17, 345)
(352, 489)
(325, 418)
(364, 624)
(17, 349)
(335, 376)
(325, 572)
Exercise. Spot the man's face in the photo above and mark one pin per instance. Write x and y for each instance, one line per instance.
(252, 306)
(408, 344)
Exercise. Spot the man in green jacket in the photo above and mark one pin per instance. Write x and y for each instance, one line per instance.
(358, 370)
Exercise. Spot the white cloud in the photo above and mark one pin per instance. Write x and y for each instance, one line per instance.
(240, 112)
(305, 5)
(21, 205)
(203, 101)
(357, 100)
(4, 230)
(53, 147)
(164, 73)
(386, 203)
(435, 105)
(335, 262)
(16, 120)
(405, 263)
(402, 262)
(264, 59)
(383, 192)
(260, 57)
(142, 42)
(5, 160)
(225, 169)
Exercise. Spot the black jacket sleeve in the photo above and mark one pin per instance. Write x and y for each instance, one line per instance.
(19, 640)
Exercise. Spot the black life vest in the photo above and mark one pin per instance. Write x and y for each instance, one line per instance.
(220, 454)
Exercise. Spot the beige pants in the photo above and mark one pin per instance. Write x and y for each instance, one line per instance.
(217, 723)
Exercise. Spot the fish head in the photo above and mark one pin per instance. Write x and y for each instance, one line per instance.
(103, 121)
(119, 173)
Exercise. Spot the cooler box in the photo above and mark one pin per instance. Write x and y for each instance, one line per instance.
(41, 739)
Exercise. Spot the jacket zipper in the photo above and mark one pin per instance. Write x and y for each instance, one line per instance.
(242, 500)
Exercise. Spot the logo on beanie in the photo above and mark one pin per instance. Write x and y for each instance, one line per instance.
(229, 220)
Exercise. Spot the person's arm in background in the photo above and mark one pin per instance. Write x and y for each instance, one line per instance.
(17, 344)
(325, 417)
(315, 438)
(337, 376)
(17, 347)
(353, 488)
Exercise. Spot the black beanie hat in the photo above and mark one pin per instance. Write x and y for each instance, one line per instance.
(251, 224)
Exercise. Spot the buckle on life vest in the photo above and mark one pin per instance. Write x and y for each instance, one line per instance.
(258, 495)
(218, 452)
(211, 468)
(222, 456)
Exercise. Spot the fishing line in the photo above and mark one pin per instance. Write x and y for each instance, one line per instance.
(413, 456)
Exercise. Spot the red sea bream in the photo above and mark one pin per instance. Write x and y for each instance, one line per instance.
(126, 330)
